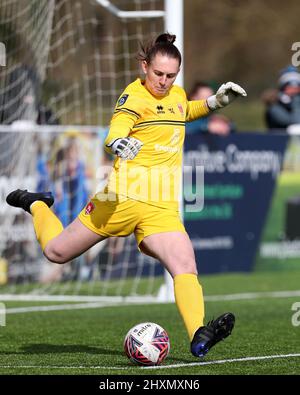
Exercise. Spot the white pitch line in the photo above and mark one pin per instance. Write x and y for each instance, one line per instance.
(140, 300)
(252, 295)
(179, 365)
(60, 307)
(221, 361)
(75, 298)
(75, 306)
(99, 304)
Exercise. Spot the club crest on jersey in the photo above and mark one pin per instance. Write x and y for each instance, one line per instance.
(89, 208)
(122, 100)
(180, 109)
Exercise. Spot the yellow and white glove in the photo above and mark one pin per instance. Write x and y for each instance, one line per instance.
(125, 147)
(225, 95)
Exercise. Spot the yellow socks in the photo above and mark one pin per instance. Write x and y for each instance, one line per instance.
(45, 222)
(189, 300)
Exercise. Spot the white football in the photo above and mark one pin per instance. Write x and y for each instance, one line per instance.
(147, 344)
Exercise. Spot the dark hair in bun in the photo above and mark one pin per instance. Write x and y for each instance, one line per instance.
(165, 38)
(163, 45)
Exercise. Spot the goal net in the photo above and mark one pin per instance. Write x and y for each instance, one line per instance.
(66, 64)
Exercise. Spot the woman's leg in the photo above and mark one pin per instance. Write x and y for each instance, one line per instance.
(174, 250)
(61, 245)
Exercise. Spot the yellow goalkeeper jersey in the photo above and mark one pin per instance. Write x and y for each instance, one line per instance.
(154, 175)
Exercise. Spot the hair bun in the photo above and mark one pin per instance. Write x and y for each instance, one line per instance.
(166, 38)
(162, 45)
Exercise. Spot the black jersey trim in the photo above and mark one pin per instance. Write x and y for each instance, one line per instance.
(160, 122)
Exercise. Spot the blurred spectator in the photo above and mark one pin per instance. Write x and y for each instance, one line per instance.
(20, 98)
(70, 182)
(64, 172)
(213, 123)
(283, 106)
(46, 116)
(200, 91)
(64, 175)
(219, 124)
(20, 94)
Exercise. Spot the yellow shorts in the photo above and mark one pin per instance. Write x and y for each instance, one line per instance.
(121, 218)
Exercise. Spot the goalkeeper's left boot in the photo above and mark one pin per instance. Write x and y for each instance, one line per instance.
(209, 335)
(24, 199)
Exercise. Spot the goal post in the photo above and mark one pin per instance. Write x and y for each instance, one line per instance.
(66, 64)
(173, 21)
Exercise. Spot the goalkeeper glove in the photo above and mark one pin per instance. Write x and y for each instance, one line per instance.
(125, 147)
(225, 95)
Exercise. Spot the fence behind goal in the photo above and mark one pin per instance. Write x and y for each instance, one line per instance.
(70, 162)
(66, 64)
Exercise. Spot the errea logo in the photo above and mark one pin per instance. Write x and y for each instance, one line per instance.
(160, 110)
(2, 55)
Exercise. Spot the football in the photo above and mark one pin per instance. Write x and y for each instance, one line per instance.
(147, 344)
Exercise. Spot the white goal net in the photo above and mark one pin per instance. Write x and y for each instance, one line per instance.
(67, 62)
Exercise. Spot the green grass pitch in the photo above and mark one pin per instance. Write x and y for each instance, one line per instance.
(90, 341)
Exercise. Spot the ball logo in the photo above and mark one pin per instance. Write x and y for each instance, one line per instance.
(89, 208)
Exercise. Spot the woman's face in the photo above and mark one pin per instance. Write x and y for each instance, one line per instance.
(160, 74)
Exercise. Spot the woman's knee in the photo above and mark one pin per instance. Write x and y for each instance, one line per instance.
(184, 266)
(55, 255)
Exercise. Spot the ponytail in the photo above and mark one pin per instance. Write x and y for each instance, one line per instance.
(163, 45)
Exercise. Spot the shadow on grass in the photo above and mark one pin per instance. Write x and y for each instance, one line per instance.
(78, 348)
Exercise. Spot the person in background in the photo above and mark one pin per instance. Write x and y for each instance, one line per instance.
(69, 180)
(212, 123)
(283, 106)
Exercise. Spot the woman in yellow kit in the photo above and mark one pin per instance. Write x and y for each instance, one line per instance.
(146, 135)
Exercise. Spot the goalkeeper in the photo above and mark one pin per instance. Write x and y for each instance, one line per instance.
(146, 135)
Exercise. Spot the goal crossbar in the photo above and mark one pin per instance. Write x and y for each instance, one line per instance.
(130, 14)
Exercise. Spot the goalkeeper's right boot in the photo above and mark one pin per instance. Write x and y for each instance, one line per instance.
(209, 335)
(24, 199)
